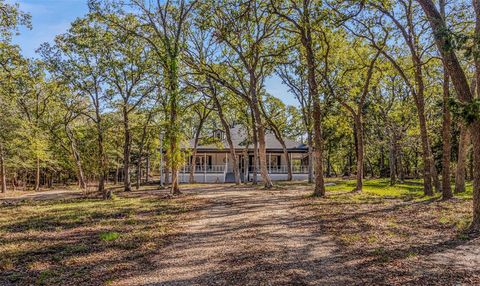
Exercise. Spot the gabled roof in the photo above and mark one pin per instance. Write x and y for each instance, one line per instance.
(240, 141)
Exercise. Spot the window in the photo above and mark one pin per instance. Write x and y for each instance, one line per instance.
(218, 134)
(200, 160)
(274, 161)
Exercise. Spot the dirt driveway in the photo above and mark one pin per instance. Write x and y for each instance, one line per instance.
(246, 237)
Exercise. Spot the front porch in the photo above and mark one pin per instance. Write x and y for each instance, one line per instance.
(217, 167)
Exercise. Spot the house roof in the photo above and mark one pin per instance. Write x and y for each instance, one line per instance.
(240, 141)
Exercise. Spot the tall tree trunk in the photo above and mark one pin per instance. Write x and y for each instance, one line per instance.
(463, 146)
(37, 175)
(382, 161)
(117, 174)
(460, 172)
(138, 172)
(278, 136)
(245, 164)
(14, 181)
(316, 114)
(462, 88)
(3, 175)
(102, 162)
(475, 131)
(446, 128)
(400, 170)
(228, 135)
(127, 184)
(360, 151)
(167, 176)
(310, 157)
(147, 168)
(255, 151)
(262, 148)
(173, 136)
(191, 179)
(289, 162)
(80, 176)
(329, 162)
(435, 179)
(236, 170)
(475, 135)
(392, 159)
(426, 151)
(411, 39)
(263, 155)
(78, 162)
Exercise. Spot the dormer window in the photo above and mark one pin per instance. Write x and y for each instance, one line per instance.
(219, 134)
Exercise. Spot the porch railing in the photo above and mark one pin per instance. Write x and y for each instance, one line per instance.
(204, 169)
(283, 169)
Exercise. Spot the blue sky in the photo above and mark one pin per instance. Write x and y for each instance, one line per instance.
(53, 17)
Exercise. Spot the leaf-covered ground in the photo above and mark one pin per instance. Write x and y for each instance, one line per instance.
(227, 235)
(79, 241)
(397, 236)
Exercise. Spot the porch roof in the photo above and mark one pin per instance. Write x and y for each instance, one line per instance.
(240, 142)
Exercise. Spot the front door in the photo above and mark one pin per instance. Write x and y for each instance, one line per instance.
(241, 167)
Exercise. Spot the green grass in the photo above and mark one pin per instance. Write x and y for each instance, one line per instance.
(384, 217)
(109, 236)
(409, 190)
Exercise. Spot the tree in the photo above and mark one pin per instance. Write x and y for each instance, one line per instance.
(163, 27)
(299, 16)
(77, 59)
(129, 72)
(275, 113)
(445, 46)
(11, 18)
(446, 127)
(294, 75)
(244, 32)
(33, 101)
(357, 114)
(201, 52)
(402, 18)
(201, 109)
(63, 116)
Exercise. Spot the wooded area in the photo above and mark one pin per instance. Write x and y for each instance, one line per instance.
(385, 90)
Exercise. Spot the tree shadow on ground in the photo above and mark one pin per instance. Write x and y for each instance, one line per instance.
(268, 240)
(85, 241)
(237, 236)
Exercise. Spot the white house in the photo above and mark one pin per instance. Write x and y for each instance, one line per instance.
(213, 162)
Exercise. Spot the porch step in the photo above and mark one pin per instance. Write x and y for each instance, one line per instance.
(230, 177)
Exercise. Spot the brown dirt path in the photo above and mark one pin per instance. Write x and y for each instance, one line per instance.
(246, 237)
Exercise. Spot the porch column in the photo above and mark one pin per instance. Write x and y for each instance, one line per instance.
(269, 163)
(205, 167)
(183, 173)
(291, 163)
(226, 168)
(226, 163)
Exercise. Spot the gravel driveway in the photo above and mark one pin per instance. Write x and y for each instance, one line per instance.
(246, 237)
